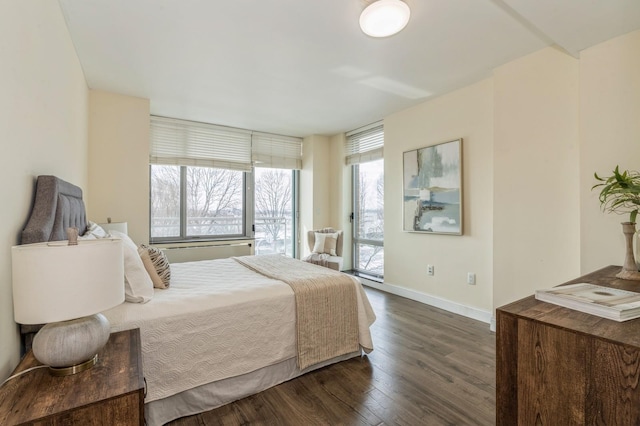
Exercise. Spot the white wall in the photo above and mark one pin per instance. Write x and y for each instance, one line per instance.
(119, 162)
(536, 205)
(466, 114)
(609, 136)
(43, 128)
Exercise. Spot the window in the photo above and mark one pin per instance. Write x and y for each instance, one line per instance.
(365, 153)
(368, 227)
(196, 202)
(275, 205)
(206, 182)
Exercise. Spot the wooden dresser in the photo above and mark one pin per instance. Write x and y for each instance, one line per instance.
(111, 393)
(557, 366)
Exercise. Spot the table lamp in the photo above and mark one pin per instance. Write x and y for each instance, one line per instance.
(67, 285)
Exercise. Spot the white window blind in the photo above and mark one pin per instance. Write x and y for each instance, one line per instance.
(189, 143)
(276, 151)
(365, 144)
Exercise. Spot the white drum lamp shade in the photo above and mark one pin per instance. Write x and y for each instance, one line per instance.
(67, 286)
(384, 18)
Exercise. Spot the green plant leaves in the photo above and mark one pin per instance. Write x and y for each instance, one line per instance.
(620, 192)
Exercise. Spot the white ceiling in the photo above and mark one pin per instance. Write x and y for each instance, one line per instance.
(302, 67)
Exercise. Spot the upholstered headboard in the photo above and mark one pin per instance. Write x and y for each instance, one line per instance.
(57, 206)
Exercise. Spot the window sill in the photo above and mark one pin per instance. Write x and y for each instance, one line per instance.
(203, 242)
(366, 276)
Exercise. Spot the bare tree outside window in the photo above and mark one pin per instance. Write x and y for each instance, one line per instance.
(165, 201)
(273, 211)
(214, 201)
(369, 235)
(214, 205)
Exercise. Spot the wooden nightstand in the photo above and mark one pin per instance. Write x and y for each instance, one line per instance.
(111, 393)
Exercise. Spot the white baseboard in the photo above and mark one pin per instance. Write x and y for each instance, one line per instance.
(447, 305)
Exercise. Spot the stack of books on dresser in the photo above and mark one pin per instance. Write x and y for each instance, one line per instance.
(606, 302)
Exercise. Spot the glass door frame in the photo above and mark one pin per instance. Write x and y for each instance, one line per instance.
(356, 240)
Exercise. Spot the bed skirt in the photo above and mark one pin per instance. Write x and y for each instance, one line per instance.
(216, 394)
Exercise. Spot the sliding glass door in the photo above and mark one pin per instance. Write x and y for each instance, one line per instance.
(275, 206)
(368, 223)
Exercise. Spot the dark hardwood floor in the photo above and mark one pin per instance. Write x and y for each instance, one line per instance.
(429, 367)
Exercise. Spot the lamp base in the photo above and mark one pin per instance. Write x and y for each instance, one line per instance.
(78, 368)
(69, 347)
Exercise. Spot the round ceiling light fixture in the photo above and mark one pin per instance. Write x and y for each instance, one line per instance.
(384, 18)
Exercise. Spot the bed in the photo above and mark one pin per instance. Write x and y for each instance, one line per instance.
(226, 328)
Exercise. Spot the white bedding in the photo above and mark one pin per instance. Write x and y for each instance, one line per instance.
(217, 320)
(205, 328)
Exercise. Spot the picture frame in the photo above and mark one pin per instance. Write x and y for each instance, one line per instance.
(432, 189)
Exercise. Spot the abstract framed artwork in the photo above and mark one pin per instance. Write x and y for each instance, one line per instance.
(432, 189)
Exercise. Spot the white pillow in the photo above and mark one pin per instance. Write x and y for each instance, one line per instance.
(138, 287)
(94, 231)
(326, 243)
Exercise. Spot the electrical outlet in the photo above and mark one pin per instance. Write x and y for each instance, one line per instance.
(430, 269)
(471, 278)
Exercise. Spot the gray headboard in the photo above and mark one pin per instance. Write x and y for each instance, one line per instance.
(57, 206)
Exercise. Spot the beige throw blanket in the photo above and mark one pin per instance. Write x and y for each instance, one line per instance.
(326, 306)
(321, 259)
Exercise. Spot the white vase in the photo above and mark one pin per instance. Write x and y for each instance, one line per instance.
(636, 238)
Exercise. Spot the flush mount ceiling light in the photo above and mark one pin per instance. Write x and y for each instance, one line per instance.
(384, 18)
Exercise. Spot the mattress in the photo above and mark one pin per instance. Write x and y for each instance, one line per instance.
(217, 320)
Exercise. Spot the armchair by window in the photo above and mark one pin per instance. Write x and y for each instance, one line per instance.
(326, 248)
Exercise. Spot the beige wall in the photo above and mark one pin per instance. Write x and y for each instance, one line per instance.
(536, 174)
(306, 194)
(466, 114)
(315, 187)
(340, 196)
(43, 123)
(609, 136)
(533, 135)
(119, 161)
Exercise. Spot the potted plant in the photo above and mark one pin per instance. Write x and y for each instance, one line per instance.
(620, 194)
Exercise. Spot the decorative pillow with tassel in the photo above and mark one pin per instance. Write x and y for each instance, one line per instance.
(157, 265)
